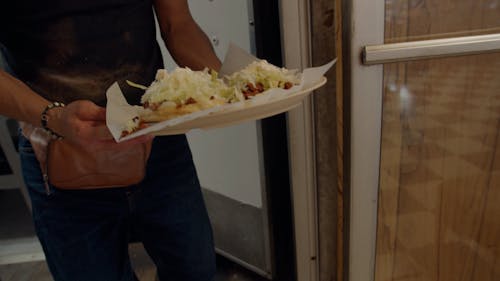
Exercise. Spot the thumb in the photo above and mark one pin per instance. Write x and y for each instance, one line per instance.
(88, 110)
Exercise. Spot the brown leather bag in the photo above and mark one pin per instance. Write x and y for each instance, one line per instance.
(71, 166)
(67, 165)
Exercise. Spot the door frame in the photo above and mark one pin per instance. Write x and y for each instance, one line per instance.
(296, 41)
(273, 131)
(364, 87)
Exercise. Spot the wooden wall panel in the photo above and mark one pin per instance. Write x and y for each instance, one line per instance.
(325, 119)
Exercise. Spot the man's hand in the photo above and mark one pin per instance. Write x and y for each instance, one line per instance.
(84, 123)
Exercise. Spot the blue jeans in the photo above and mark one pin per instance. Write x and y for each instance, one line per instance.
(4, 57)
(85, 233)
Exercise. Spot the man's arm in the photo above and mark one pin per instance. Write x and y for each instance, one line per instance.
(186, 42)
(80, 121)
(18, 101)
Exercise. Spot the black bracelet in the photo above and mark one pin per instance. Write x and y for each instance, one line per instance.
(44, 118)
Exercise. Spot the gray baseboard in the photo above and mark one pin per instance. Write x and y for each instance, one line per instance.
(239, 231)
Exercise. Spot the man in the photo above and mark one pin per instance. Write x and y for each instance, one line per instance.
(71, 52)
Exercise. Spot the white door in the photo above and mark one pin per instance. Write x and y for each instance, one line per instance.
(425, 139)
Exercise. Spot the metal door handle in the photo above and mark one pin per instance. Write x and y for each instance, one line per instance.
(426, 49)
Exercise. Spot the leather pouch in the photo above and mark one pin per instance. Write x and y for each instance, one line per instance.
(70, 166)
(67, 165)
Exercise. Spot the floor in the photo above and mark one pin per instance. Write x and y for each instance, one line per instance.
(145, 270)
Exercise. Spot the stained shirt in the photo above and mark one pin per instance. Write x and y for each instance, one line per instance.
(75, 49)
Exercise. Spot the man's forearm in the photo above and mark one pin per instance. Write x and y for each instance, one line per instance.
(189, 46)
(18, 101)
(186, 42)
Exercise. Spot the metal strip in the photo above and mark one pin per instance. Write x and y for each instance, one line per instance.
(251, 27)
(366, 25)
(296, 42)
(426, 49)
(243, 264)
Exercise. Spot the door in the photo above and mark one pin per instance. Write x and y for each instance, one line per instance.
(424, 85)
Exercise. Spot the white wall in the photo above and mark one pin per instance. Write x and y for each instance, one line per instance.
(228, 160)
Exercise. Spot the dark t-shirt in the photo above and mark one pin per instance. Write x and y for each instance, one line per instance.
(75, 49)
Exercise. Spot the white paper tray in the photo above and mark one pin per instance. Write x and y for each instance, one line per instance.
(249, 111)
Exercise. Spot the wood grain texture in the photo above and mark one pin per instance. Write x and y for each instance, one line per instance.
(340, 136)
(439, 179)
(325, 120)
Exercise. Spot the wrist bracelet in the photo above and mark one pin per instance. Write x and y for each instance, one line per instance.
(44, 118)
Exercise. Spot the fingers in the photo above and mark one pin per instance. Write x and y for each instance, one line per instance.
(84, 122)
(135, 141)
(101, 133)
(89, 111)
(111, 144)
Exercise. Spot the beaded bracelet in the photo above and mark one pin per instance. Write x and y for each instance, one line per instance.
(44, 118)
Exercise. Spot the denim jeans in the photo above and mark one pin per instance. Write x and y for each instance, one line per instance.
(4, 57)
(85, 233)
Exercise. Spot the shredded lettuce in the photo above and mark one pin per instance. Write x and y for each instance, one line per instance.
(135, 85)
(183, 83)
(262, 72)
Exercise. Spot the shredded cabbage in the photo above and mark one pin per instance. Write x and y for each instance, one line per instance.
(136, 85)
(262, 72)
(132, 125)
(183, 84)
